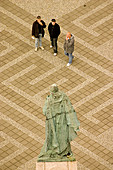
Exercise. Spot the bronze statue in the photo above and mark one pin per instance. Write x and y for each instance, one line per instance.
(61, 127)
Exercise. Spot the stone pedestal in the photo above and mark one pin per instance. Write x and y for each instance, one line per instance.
(56, 165)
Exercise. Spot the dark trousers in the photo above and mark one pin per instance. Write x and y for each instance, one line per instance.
(54, 44)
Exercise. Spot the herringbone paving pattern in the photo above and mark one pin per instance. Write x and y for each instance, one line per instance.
(26, 76)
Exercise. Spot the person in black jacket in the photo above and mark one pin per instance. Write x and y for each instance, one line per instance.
(38, 32)
(54, 32)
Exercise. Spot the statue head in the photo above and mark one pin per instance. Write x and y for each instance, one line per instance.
(54, 88)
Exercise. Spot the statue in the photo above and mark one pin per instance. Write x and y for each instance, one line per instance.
(61, 127)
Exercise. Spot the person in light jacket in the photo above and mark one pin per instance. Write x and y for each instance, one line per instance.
(69, 47)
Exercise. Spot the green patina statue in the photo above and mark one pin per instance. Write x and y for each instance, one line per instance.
(61, 127)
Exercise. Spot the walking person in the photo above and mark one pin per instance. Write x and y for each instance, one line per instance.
(38, 32)
(69, 47)
(54, 32)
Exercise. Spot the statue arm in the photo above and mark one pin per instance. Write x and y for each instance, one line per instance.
(72, 116)
(45, 107)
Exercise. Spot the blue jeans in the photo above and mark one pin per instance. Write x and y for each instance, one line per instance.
(54, 44)
(38, 40)
(70, 56)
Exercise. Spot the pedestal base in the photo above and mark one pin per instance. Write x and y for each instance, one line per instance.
(56, 165)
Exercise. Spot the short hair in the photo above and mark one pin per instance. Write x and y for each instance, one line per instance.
(53, 20)
(38, 17)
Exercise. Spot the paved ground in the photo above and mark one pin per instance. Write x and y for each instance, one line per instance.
(27, 75)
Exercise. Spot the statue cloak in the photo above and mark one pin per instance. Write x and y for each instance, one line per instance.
(61, 127)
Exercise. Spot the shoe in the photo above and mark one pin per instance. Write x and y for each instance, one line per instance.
(36, 49)
(69, 155)
(55, 54)
(68, 64)
(42, 48)
(51, 46)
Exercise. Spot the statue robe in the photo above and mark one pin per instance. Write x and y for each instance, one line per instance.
(61, 127)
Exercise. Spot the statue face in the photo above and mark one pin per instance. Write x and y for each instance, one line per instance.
(54, 89)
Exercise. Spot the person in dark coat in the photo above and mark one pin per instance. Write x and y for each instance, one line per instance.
(69, 47)
(54, 32)
(38, 32)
